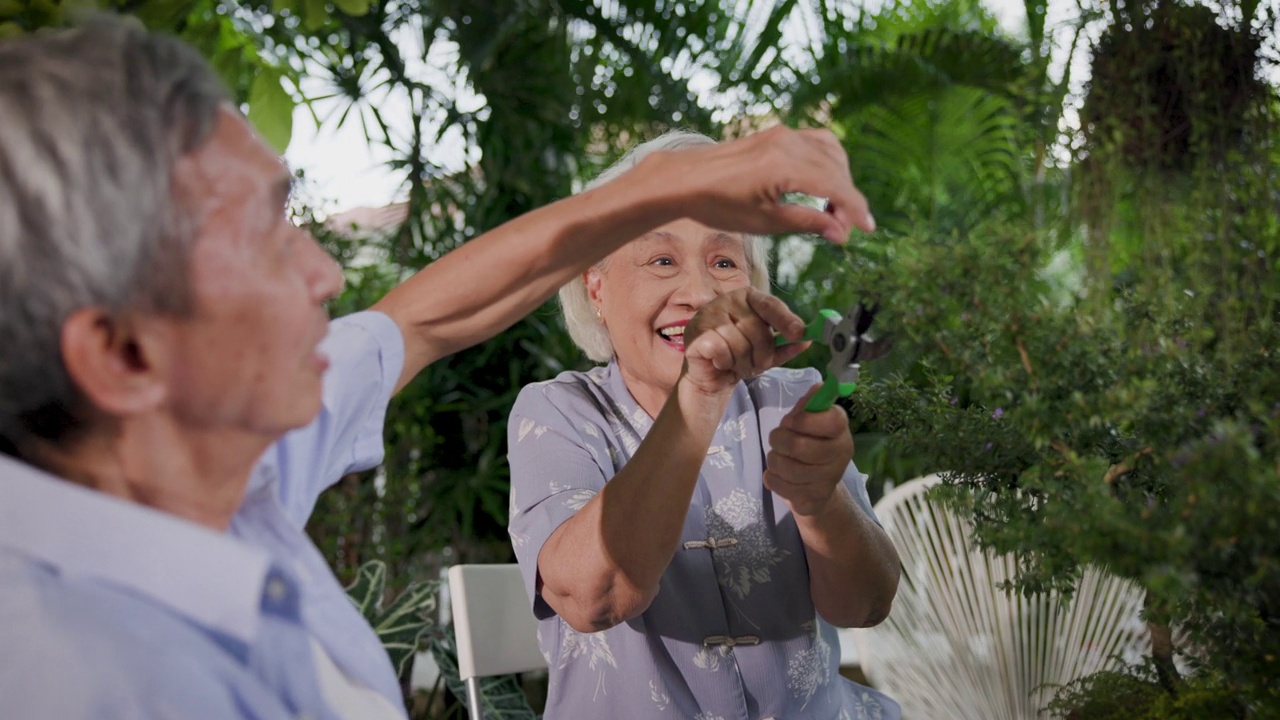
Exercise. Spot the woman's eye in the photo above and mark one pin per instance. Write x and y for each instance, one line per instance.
(725, 264)
(663, 262)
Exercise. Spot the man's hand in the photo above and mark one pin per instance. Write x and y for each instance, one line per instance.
(490, 282)
(739, 185)
(808, 457)
(731, 339)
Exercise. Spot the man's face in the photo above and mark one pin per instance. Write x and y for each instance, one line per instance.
(247, 360)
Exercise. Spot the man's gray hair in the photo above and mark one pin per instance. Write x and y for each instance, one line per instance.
(92, 122)
(585, 327)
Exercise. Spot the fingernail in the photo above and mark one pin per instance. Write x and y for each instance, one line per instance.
(871, 222)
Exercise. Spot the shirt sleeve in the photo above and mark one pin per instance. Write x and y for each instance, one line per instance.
(366, 356)
(556, 453)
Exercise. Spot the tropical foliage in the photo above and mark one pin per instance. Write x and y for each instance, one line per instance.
(1082, 280)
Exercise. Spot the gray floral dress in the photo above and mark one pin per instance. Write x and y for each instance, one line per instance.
(732, 633)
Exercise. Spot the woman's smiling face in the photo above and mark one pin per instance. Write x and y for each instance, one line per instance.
(649, 289)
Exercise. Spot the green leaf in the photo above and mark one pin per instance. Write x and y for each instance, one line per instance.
(163, 15)
(271, 109)
(315, 15)
(401, 625)
(279, 6)
(501, 696)
(354, 8)
(366, 590)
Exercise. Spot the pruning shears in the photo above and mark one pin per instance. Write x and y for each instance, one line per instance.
(850, 345)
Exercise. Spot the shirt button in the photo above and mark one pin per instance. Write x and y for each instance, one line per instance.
(276, 591)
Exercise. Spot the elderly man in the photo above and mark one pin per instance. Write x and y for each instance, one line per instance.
(173, 398)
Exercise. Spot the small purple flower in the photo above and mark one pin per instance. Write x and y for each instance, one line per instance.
(999, 413)
(987, 448)
(955, 400)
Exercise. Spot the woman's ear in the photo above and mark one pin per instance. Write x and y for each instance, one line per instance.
(119, 370)
(593, 279)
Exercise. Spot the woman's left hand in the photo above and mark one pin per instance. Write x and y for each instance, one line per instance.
(731, 339)
(808, 456)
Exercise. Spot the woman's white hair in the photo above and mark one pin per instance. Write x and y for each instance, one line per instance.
(585, 326)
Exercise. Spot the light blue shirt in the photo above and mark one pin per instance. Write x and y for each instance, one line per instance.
(112, 610)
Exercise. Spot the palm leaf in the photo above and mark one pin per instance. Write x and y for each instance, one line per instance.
(401, 625)
(501, 695)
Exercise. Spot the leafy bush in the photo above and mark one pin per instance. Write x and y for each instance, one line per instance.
(1106, 390)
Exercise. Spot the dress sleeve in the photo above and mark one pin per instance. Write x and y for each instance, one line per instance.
(366, 356)
(557, 454)
(856, 481)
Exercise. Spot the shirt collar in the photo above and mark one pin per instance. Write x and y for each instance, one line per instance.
(211, 578)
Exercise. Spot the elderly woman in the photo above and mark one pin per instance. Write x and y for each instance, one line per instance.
(689, 534)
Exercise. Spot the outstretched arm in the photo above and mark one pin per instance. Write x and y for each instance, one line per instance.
(489, 283)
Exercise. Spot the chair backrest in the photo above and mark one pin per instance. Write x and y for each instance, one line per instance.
(496, 631)
(955, 646)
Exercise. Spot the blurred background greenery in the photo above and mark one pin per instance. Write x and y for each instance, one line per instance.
(1083, 277)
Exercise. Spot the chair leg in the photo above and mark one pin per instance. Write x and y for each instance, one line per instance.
(473, 698)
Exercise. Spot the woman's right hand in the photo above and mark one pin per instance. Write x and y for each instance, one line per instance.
(731, 339)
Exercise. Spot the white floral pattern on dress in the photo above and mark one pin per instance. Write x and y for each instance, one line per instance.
(527, 425)
(622, 431)
(593, 646)
(707, 716)
(751, 560)
(708, 658)
(810, 668)
(661, 699)
(736, 430)
(870, 709)
(578, 499)
(721, 460)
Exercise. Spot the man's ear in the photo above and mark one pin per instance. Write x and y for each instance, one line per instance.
(120, 369)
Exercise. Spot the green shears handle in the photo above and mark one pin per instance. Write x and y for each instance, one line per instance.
(831, 388)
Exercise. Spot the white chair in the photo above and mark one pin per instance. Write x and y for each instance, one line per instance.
(496, 631)
(957, 647)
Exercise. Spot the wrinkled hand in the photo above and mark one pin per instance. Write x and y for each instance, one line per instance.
(808, 457)
(739, 185)
(731, 339)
